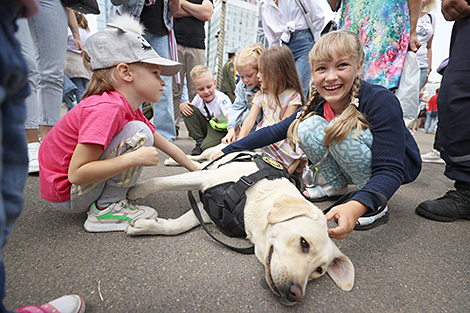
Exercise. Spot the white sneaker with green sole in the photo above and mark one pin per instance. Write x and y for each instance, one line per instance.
(117, 216)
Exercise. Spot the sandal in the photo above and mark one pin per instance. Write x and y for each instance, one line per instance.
(324, 193)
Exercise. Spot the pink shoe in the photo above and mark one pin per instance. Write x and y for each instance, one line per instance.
(65, 304)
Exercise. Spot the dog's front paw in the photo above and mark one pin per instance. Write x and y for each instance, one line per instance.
(143, 227)
(170, 162)
(140, 190)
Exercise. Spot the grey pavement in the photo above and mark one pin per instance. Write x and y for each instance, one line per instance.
(410, 264)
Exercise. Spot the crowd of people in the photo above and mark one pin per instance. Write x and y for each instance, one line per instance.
(306, 100)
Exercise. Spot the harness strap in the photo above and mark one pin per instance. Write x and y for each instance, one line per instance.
(236, 191)
(192, 201)
(241, 157)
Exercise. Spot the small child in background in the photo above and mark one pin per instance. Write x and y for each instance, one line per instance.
(206, 117)
(280, 96)
(246, 64)
(95, 153)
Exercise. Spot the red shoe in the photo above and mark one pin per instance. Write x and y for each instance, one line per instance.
(197, 149)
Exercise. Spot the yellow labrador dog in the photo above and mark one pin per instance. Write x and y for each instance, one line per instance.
(289, 233)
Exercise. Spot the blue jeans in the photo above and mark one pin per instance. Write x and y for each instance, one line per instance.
(68, 96)
(82, 84)
(300, 43)
(74, 89)
(163, 112)
(431, 123)
(13, 149)
(423, 74)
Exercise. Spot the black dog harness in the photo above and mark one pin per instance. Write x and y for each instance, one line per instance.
(225, 203)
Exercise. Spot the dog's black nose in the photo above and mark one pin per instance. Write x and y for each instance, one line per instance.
(295, 292)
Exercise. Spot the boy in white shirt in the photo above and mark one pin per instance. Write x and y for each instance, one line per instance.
(206, 117)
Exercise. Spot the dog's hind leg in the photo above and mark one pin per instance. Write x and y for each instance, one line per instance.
(160, 226)
(182, 182)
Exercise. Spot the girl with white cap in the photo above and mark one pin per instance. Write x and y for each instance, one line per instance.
(96, 152)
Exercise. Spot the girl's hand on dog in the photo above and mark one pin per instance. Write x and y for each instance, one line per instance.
(347, 215)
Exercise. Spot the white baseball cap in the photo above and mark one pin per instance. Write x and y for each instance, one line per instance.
(122, 42)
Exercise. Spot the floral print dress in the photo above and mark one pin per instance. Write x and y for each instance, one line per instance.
(384, 27)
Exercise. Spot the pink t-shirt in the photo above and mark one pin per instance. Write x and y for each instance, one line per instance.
(95, 120)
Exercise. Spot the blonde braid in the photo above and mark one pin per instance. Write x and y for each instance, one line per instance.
(306, 112)
(356, 87)
(362, 122)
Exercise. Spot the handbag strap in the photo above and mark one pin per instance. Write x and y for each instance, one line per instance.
(307, 17)
(344, 198)
(247, 250)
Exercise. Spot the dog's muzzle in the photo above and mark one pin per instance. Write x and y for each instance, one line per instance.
(291, 294)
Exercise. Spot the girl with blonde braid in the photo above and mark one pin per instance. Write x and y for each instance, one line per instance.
(354, 133)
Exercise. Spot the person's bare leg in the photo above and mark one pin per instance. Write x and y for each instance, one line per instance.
(32, 135)
(44, 130)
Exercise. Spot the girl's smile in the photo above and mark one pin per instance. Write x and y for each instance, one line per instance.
(334, 80)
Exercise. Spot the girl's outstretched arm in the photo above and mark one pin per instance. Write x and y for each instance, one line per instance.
(174, 152)
(86, 168)
(249, 121)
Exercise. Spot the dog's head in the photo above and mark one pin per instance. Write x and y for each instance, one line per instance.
(298, 249)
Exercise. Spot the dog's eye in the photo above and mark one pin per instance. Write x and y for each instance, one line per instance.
(319, 270)
(304, 244)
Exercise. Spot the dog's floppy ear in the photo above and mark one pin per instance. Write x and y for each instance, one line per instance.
(287, 207)
(341, 270)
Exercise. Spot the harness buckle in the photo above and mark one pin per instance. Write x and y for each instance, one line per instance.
(247, 182)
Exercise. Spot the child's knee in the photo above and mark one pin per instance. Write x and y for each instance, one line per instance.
(311, 133)
(138, 134)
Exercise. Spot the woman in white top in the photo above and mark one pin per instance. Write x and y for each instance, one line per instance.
(425, 32)
(284, 23)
